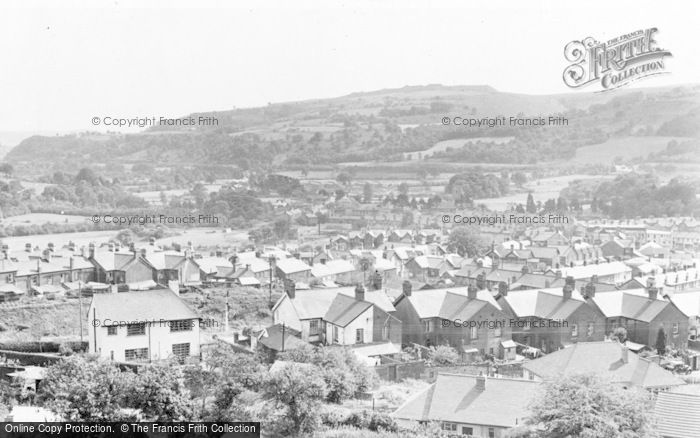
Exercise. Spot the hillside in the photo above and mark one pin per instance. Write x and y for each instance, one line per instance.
(383, 126)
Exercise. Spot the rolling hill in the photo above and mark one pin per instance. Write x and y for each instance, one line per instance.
(382, 126)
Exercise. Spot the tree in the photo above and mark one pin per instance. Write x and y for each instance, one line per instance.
(661, 342)
(343, 178)
(620, 334)
(465, 242)
(158, 391)
(367, 192)
(199, 193)
(530, 204)
(82, 390)
(588, 406)
(519, 178)
(297, 389)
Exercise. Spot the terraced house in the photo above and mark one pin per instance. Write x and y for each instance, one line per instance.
(642, 312)
(443, 316)
(550, 319)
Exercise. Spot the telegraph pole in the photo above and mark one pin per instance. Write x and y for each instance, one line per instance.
(271, 260)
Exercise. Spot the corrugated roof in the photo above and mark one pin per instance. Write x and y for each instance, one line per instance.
(677, 415)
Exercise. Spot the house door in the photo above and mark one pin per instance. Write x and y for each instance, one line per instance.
(392, 373)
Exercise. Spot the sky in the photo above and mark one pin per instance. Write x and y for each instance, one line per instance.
(63, 66)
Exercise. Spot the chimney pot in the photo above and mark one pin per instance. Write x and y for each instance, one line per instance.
(471, 292)
(624, 353)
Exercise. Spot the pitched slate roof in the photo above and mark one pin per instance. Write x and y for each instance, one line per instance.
(432, 262)
(603, 358)
(271, 337)
(448, 303)
(141, 306)
(632, 304)
(332, 267)
(344, 309)
(455, 398)
(292, 265)
(545, 304)
(112, 261)
(677, 415)
(315, 303)
(601, 269)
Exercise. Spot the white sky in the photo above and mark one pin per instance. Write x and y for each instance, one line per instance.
(60, 67)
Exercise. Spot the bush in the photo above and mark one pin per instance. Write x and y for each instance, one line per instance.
(444, 355)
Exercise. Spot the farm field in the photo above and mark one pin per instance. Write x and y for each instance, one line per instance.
(456, 143)
(542, 189)
(627, 147)
(43, 218)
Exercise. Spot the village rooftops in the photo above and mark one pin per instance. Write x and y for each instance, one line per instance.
(476, 400)
(607, 358)
(152, 305)
(589, 270)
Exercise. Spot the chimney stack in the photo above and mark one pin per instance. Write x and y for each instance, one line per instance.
(480, 383)
(50, 246)
(569, 285)
(91, 250)
(377, 280)
(652, 290)
(407, 288)
(28, 247)
(503, 289)
(290, 288)
(360, 292)
(589, 290)
(471, 292)
(557, 274)
(481, 281)
(624, 353)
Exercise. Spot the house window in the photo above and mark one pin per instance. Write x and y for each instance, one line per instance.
(10, 278)
(313, 327)
(359, 336)
(492, 432)
(385, 331)
(183, 325)
(35, 279)
(112, 330)
(136, 354)
(574, 330)
(591, 328)
(335, 334)
(473, 333)
(450, 427)
(676, 328)
(469, 431)
(427, 326)
(497, 332)
(181, 350)
(136, 329)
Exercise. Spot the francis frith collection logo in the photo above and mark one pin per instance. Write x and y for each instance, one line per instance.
(616, 62)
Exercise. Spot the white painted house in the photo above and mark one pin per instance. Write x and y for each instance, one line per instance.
(142, 326)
